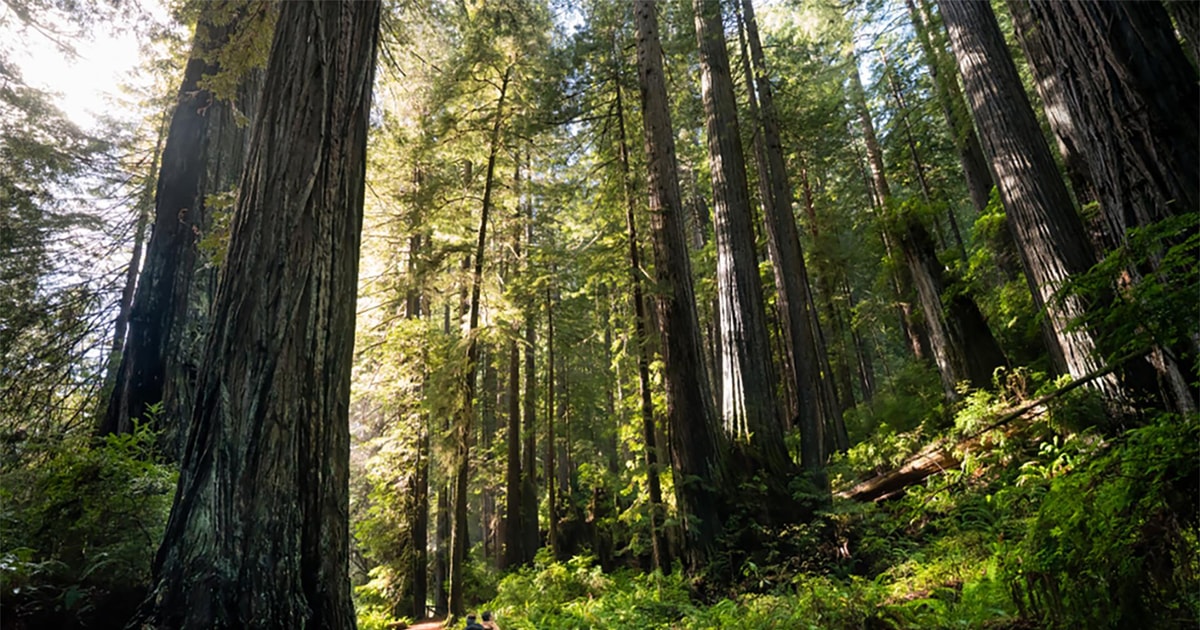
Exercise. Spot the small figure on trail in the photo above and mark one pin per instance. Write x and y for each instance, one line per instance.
(472, 624)
(488, 623)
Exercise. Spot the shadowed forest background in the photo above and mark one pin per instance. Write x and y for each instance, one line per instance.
(603, 314)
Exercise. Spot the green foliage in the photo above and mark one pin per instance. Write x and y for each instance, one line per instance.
(1114, 543)
(80, 524)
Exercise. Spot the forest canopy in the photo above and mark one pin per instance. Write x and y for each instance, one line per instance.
(600, 314)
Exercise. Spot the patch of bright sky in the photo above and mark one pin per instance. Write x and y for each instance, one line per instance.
(83, 84)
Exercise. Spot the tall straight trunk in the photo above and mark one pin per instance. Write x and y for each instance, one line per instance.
(914, 330)
(1067, 137)
(749, 409)
(834, 428)
(258, 534)
(441, 558)
(927, 194)
(791, 273)
(1045, 227)
(551, 468)
(513, 540)
(658, 543)
(962, 345)
(531, 539)
(1141, 142)
(866, 368)
(954, 109)
(697, 453)
(125, 305)
(489, 391)
(458, 539)
(203, 154)
(415, 305)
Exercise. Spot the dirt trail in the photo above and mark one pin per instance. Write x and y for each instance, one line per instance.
(432, 624)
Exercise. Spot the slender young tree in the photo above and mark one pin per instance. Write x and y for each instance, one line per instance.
(1048, 233)
(695, 442)
(658, 543)
(954, 109)
(258, 535)
(458, 539)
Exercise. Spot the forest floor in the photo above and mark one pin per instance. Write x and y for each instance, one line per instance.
(432, 624)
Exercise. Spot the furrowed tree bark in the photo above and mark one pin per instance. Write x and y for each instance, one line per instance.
(787, 256)
(658, 544)
(203, 154)
(1067, 138)
(550, 473)
(1047, 231)
(954, 109)
(415, 305)
(458, 539)
(695, 441)
(258, 535)
(1141, 141)
(749, 410)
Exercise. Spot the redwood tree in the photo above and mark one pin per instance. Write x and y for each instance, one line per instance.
(202, 156)
(258, 535)
(695, 443)
(1047, 231)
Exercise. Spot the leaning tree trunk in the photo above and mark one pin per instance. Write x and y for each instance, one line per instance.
(697, 455)
(203, 155)
(945, 83)
(258, 535)
(962, 345)
(1133, 94)
(749, 409)
(1047, 231)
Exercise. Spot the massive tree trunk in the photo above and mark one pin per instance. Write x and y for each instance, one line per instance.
(749, 410)
(658, 544)
(1053, 96)
(697, 453)
(1132, 94)
(945, 83)
(791, 275)
(1045, 227)
(458, 538)
(203, 155)
(258, 535)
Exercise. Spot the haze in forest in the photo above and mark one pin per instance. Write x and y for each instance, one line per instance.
(599, 314)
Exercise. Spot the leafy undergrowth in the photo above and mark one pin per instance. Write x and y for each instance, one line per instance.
(1046, 529)
(79, 523)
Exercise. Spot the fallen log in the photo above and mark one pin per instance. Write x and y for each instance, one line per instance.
(941, 455)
